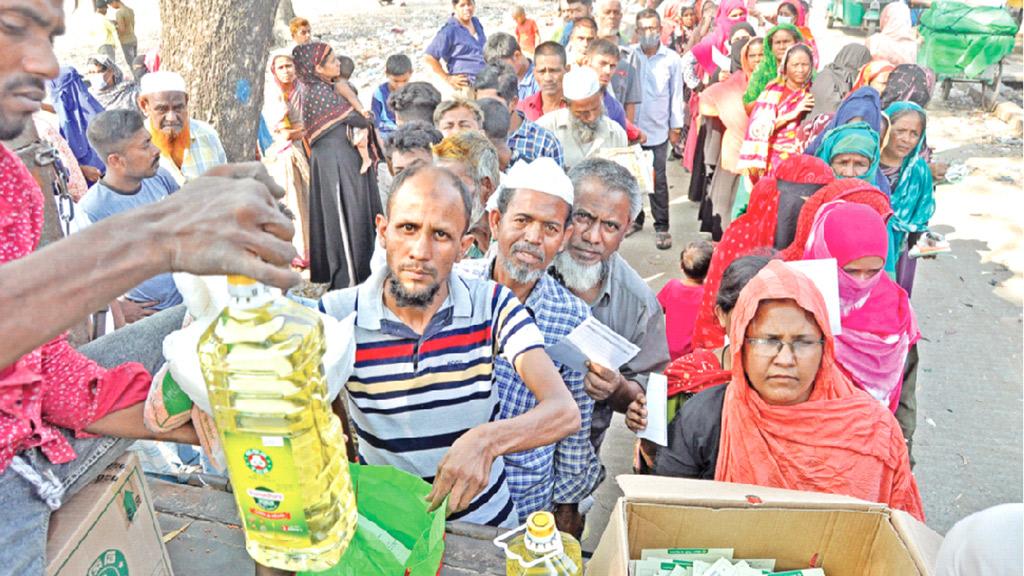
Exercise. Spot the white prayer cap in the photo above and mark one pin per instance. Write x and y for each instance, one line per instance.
(160, 81)
(543, 175)
(580, 83)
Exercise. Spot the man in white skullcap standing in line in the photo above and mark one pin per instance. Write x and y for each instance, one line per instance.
(531, 222)
(583, 127)
(188, 147)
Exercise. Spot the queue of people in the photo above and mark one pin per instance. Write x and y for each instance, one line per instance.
(499, 232)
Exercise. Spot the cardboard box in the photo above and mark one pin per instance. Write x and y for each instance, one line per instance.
(844, 536)
(108, 528)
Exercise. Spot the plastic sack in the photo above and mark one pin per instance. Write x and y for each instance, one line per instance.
(962, 41)
(960, 55)
(205, 297)
(961, 18)
(395, 534)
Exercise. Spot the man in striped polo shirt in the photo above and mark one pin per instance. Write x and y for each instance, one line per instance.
(421, 394)
(531, 223)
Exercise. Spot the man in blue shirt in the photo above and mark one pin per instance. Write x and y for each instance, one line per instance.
(398, 69)
(531, 223)
(134, 178)
(460, 44)
(526, 139)
(661, 115)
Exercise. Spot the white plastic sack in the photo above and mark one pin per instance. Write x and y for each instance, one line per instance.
(205, 297)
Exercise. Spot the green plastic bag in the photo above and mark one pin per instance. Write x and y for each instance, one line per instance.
(960, 55)
(963, 19)
(962, 41)
(395, 534)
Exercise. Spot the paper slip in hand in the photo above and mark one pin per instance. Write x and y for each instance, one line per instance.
(657, 410)
(593, 341)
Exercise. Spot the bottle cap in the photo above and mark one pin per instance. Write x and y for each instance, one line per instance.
(541, 525)
(239, 280)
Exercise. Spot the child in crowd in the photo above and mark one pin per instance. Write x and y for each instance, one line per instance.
(301, 31)
(398, 69)
(360, 136)
(683, 30)
(681, 297)
(526, 31)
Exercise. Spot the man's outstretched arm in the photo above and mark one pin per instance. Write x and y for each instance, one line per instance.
(225, 222)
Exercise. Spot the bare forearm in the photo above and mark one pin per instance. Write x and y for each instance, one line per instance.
(548, 422)
(50, 290)
(554, 417)
(630, 112)
(435, 65)
(128, 423)
(346, 92)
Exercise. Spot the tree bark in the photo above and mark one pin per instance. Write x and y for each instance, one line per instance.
(285, 12)
(220, 47)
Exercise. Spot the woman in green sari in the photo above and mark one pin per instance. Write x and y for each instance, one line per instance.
(776, 43)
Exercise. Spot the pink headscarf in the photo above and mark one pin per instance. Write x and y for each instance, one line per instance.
(897, 42)
(719, 37)
(878, 323)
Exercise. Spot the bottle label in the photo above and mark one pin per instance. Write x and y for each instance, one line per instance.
(266, 483)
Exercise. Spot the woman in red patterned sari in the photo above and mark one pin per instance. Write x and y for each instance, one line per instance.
(772, 134)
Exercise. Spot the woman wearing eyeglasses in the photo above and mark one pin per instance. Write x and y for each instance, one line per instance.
(790, 417)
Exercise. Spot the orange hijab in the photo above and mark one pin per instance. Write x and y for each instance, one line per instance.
(839, 441)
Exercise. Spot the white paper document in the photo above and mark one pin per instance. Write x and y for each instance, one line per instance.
(593, 341)
(657, 410)
(825, 275)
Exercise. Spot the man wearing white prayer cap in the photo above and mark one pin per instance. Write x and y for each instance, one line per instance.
(583, 127)
(530, 225)
(188, 147)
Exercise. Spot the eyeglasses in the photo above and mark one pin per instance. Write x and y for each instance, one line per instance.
(770, 347)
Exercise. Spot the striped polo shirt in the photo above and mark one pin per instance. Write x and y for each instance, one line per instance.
(412, 395)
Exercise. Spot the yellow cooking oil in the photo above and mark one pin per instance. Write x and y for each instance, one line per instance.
(261, 359)
(539, 549)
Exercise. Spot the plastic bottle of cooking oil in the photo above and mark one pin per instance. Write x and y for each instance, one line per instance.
(539, 549)
(261, 359)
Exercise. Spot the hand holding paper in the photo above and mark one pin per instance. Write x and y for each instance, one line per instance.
(593, 341)
(657, 411)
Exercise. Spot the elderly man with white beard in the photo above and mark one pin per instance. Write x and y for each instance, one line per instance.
(607, 199)
(531, 222)
(583, 128)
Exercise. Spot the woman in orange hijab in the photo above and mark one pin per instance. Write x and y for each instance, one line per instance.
(790, 418)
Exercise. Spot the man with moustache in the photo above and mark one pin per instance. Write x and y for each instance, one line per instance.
(134, 178)
(67, 416)
(583, 128)
(421, 394)
(530, 224)
(187, 147)
(607, 199)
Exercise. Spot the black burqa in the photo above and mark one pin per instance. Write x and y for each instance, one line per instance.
(343, 203)
(836, 80)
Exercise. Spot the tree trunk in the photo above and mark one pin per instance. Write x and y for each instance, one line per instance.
(285, 12)
(220, 47)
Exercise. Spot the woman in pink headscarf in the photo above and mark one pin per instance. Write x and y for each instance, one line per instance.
(878, 323)
(712, 52)
(896, 42)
